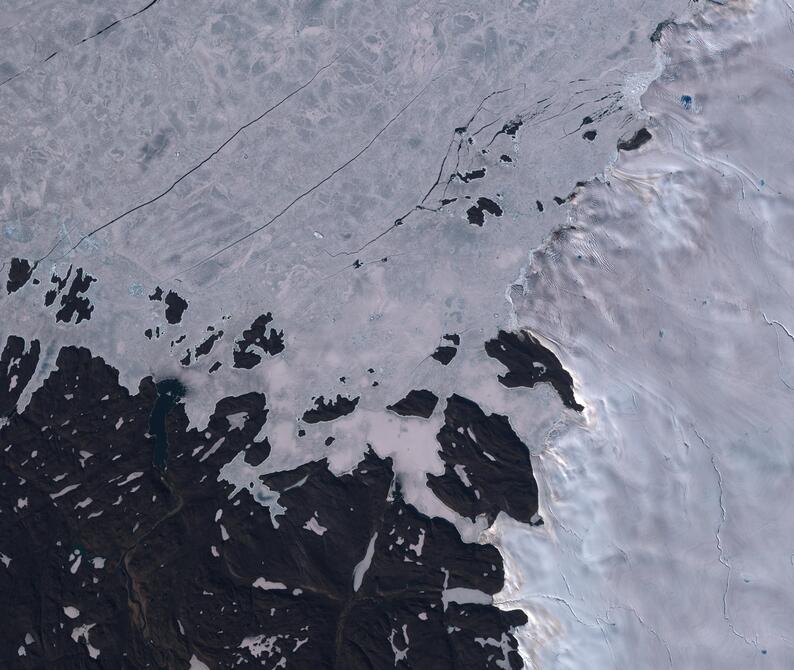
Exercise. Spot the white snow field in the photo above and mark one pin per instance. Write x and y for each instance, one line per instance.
(669, 540)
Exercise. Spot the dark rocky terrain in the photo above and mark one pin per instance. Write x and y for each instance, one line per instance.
(328, 410)
(122, 548)
(19, 273)
(419, 403)
(256, 342)
(487, 467)
(529, 363)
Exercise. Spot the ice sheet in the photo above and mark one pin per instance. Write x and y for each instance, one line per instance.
(669, 542)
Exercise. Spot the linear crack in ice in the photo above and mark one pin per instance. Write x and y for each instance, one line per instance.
(774, 322)
(313, 188)
(82, 41)
(421, 206)
(650, 629)
(718, 539)
(523, 117)
(207, 159)
(546, 596)
(779, 355)
(117, 21)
